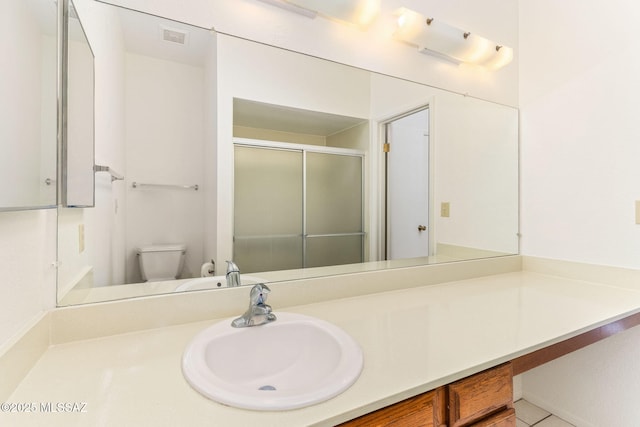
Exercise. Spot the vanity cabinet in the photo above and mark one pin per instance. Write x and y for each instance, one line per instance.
(425, 410)
(475, 398)
(481, 400)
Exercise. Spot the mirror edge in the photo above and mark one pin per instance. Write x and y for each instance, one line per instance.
(61, 81)
(64, 8)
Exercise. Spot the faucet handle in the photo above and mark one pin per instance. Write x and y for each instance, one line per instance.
(258, 313)
(259, 294)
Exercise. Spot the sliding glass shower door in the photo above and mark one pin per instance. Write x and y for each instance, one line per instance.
(334, 233)
(268, 200)
(296, 208)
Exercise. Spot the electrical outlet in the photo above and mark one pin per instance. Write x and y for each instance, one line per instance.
(637, 211)
(444, 209)
(80, 238)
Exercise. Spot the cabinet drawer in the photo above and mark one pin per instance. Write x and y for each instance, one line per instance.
(425, 410)
(475, 397)
(505, 418)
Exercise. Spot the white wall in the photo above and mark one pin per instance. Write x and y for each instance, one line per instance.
(476, 172)
(27, 239)
(580, 178)
(373, 49)
(593, 387)
(164, 145)
(75, 260)
(580, 149)
(27, 251)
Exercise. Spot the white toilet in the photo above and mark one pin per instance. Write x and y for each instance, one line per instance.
(161, 262)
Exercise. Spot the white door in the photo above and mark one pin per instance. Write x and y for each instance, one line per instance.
(408, 186)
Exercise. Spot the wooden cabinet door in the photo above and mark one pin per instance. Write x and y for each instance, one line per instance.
(480, 395)
(505, 418)
(481, 400)
(425, 410)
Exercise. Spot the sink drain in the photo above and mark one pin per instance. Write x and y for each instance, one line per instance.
(267, 387)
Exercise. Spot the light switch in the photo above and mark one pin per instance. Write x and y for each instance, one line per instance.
(444, 209)
(637, 211)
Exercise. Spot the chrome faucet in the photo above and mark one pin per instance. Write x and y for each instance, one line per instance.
(233, 274)
(258, 312)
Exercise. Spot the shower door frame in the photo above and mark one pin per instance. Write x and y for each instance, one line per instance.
(304, 149)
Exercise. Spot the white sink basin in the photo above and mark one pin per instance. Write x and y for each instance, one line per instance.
(214, 282)
(290, 363)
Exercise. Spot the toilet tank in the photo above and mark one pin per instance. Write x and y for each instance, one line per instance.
(161, 262)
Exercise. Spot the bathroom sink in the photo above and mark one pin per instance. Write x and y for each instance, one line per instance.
(290, 363)
(214, 282)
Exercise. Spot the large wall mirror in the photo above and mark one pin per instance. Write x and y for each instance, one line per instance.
(28, 105)
(291, 165)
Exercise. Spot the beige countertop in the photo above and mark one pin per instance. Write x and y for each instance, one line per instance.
(413, 340)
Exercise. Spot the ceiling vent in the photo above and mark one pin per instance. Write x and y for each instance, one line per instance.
(174, 36)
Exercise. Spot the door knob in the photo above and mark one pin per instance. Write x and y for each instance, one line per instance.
(422, 228)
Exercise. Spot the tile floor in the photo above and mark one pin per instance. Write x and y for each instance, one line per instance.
(528, 415)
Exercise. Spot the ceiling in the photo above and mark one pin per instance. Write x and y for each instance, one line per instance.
(286, 119)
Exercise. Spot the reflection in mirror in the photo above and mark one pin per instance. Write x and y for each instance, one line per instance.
(77, 189)
(200, 114)
(296, 206)
(298, 187)
(28, 105)
(408, 230)
(151, 74)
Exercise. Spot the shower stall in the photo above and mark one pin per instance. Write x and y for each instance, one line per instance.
(296, 206)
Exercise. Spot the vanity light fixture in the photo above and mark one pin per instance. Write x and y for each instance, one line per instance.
(440, 39)
(355, 12)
